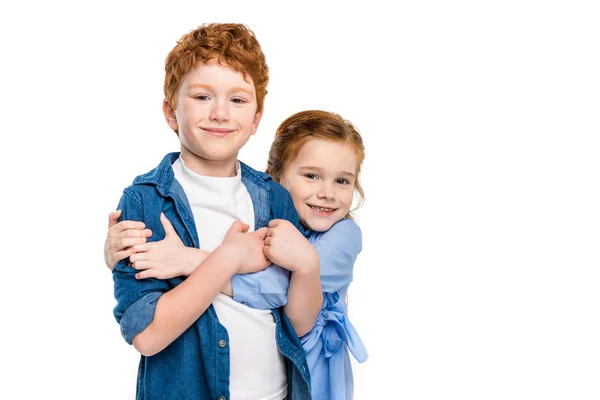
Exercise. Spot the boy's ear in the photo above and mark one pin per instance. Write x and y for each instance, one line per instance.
(170, 115)
(256, 121)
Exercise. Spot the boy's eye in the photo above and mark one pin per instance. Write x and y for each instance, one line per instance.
(202, 97)
(310, 176)
(238, 101)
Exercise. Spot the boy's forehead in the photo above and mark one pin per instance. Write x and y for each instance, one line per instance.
(214, 73)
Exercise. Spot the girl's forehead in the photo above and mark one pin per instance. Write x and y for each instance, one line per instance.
(329, 155)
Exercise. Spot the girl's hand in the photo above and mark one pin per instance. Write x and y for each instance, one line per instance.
(166, 258)
(288, 248)
(121, 236)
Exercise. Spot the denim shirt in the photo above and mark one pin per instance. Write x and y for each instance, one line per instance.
(196, 364)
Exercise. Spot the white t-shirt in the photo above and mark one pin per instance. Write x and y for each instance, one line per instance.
(257, 368)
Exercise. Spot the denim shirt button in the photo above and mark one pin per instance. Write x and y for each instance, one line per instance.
(222, 397)
(222, 343)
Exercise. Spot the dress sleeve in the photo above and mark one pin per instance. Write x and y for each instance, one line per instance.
(262, 290)
(136, 299)
(338, 249)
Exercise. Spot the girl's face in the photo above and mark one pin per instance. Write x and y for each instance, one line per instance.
(321, 181)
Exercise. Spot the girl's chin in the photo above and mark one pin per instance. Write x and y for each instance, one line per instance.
(319, 226)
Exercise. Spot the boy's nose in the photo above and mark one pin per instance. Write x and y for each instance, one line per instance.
(219, 112)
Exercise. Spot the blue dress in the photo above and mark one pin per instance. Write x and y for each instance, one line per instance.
(333, 337)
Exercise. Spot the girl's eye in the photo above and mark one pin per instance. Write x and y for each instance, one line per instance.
(343, 181)
(310, 176)
(202, 97)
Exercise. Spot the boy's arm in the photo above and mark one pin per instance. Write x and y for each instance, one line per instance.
(338, 249)
(169, 257)
(177, 309)
(150, 313)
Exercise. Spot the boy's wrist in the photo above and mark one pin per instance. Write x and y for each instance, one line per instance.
(228, 257)
(195, 257)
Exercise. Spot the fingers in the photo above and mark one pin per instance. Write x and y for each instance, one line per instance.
(143, 247)
(125, 243)
(169, 230)
(148, 273)
(274, 222)
(267, 252)
(267, 241)
(261, 233)
(113, 218)
(121, 255)
(135, 233)
(141, 265)
(128, 225)
(238, 226)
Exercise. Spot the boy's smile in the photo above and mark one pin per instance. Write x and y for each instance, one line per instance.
(214, 117)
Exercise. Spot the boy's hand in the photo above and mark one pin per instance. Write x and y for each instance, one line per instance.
(288, 248)
(166, 258)
(246, 248)
(121, 236)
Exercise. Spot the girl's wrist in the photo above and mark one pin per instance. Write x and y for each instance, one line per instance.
(309, 264)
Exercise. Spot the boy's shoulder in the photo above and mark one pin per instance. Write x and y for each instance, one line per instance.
(255, 175)
(262, 179)
(155, 183)
(161, 174)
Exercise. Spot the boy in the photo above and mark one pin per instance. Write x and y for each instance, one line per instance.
(197, 343)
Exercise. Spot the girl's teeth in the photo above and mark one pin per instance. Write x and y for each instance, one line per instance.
(322, 209)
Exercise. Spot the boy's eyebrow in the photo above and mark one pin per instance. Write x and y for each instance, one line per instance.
(209, 87)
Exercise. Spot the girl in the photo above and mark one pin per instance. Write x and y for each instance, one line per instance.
(317, 157)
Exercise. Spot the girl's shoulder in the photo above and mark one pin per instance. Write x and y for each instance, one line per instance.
(345, 234)
(345, 226)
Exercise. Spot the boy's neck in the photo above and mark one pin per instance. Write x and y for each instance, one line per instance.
(204, 167)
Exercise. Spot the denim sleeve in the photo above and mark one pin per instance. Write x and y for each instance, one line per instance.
(136, 299)
(267, 289)
(338, 249)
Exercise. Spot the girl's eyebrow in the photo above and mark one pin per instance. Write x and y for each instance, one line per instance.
(312, 168)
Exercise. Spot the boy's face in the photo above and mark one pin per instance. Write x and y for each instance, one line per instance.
(215, 116)
(321, 182)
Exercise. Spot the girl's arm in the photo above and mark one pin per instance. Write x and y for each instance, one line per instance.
(286, 246)
(169, 258)
(121, 237)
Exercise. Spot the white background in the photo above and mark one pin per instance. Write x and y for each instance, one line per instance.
(479, 274)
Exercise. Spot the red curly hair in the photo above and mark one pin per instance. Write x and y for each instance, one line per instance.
(232, 45)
